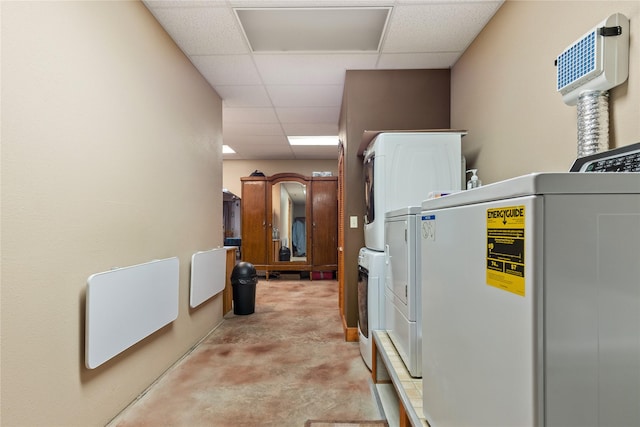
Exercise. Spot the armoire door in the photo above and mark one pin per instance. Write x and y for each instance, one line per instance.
(254, 221)
(324, 208)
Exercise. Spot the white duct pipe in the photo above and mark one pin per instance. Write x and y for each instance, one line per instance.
(593, 122)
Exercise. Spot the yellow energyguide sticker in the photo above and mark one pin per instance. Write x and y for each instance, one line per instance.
(505, 248)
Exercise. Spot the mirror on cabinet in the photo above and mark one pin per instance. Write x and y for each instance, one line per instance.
(289, 233)
(290, 223)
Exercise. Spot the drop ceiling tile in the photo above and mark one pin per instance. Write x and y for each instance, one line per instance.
(227, 69)
(307, 88)
(310, 129)
(244, 96)
(249, 115)
(243, 129)
(202, 30)
(308, 3)
(308, 115)
(306, 96)
(152, 4)
(310, 69)
(425, 2)
(407, 61)
(437, 27)
(313, 29)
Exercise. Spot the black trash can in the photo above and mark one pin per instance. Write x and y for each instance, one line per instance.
(243, 280)
(285, 254)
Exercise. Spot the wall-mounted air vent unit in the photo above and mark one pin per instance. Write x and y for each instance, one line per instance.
(597, 61)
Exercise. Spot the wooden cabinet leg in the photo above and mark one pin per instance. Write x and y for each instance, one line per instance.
(404, 419)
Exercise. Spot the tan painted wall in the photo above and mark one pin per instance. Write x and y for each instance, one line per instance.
(503, 88)
(111, 147)
(376, 100)
(233, 170)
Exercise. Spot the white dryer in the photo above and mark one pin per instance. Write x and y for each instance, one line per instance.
(402, 168)
(403, 285)
(370, 299)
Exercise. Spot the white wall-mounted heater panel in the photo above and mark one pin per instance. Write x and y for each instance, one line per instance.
(125, 305)
(599, 60)
(208, 275)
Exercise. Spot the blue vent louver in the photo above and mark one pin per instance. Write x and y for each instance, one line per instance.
(577, 61)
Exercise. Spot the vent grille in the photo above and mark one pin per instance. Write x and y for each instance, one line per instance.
(599, 60)
(578, 61)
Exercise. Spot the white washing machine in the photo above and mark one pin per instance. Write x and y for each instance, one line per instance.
(403, 285)
(531, 302)
(370, 299)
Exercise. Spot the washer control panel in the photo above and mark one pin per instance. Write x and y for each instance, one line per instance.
(623, 159)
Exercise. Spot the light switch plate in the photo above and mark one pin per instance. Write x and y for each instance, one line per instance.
(353, 221)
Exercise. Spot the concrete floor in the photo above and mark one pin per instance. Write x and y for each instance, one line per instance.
(280, 366)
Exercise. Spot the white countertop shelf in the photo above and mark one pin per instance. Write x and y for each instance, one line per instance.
(387, 368)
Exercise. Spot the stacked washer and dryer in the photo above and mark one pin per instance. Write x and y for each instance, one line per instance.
(401, 169)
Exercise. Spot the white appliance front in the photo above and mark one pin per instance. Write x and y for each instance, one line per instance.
(403, 286)
(530, 302)
(370, 299)
(402, 168)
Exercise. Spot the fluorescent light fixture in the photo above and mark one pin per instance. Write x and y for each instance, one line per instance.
(314, 29)
(313, 140)
(227, 150)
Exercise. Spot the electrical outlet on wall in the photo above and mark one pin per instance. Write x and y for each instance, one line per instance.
(353, 221)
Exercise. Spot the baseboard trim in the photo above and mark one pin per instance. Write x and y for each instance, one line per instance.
(350, 334)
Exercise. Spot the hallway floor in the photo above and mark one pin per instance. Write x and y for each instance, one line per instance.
(280, 366)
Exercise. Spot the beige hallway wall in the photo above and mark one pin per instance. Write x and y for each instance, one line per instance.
(503, 88)
(111, 156)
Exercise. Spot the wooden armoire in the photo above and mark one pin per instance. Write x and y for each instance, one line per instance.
(290, 223)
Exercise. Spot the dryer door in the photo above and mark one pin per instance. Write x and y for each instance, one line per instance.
(397, 267)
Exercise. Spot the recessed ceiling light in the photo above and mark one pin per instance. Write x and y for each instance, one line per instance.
(313, 140)
(312, 29)
(227, 150)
